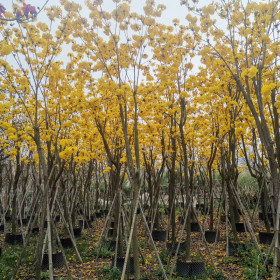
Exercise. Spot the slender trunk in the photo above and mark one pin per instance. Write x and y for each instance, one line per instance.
(15, 191)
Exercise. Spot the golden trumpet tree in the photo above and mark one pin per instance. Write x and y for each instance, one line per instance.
(119, 55)
(248, 46)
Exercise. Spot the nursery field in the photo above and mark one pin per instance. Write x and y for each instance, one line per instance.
(215, 256)
(139, 139)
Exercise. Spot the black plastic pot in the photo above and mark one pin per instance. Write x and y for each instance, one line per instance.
(240, 227)
(266, 238)
(13, 239)
(8, 219)
(110, 232)
(24, 222)
(210, 236)
(57, 219)
(66, 242)
(146, 206)
(112, 224)
(159, 235)
(98, 215)
(181, 204)
(120, 264)
(269, 216)
(148, 218)
(204, 210)
(195, 227)
(77, 232)
(35, 230)
(199, 206)
(57, 259)
(188, 269)
(2, 228)
(172, 250)
(181, 220)
(104, 212)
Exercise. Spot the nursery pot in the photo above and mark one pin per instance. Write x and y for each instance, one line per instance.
(13, 239)
(204, 210)
(24, 222)
(181, 220)
(110, 232)
(120, 264)
(199, 206)
(104, 212)
(66, 242)
(77, 232)
(172, 250)
(269, 216)
(57, 259)
(210, 236)
(57, 219)
(98, 214)
(266, 237)
(146, 206)
(240, 227)
(8, 219)
(195, 227)
(159, 235)
(188, 269)
(35, 230)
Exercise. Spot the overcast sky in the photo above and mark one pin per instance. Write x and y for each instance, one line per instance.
(173, 7)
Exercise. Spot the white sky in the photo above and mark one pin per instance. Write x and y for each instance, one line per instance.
(173, 7)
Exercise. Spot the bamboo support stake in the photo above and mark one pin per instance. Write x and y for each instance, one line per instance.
(105, 226)
(188, 204)
(154, 245)
(62, 251)
(248, 225)
(204, 240)
(49, 241)
(118, 232)
(70, 233)
(25, 245)
(276, 235)
(130, 236)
